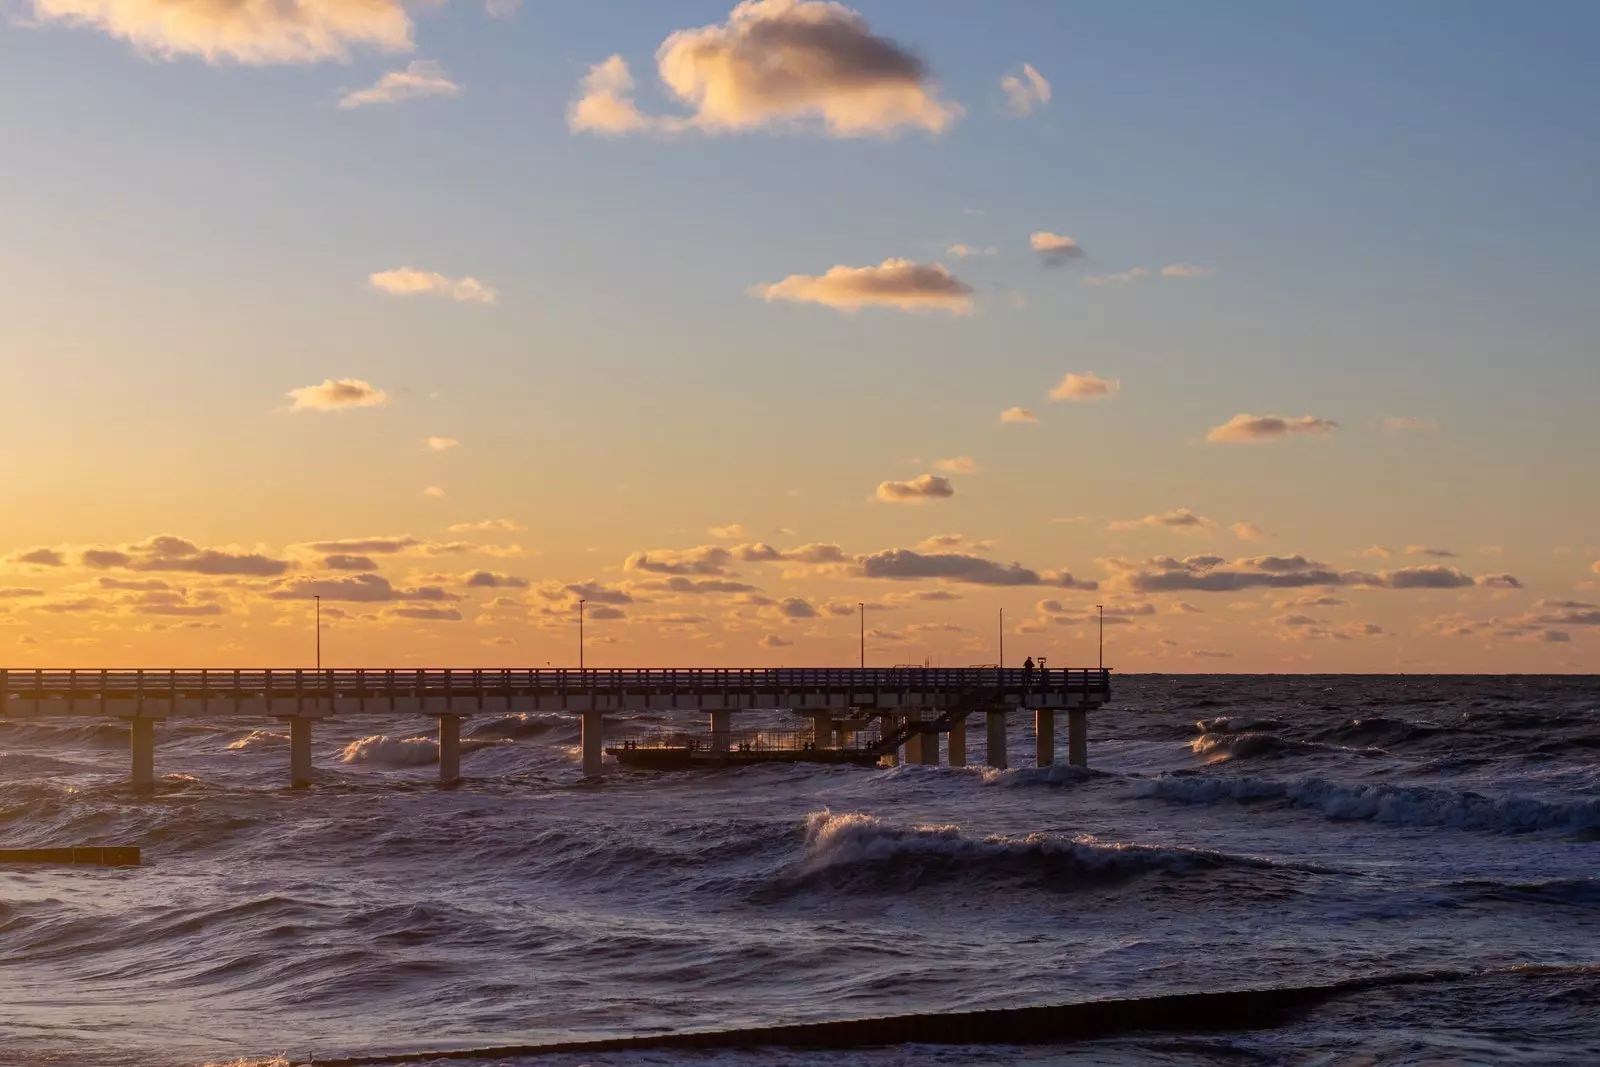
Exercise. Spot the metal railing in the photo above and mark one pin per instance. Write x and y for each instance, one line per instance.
(467, 682)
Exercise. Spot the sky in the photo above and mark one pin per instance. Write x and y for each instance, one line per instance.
(1269, 329)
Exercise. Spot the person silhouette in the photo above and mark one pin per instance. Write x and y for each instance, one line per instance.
(1027, 674)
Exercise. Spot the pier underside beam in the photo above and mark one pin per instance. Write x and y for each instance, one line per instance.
(997, 738)
(1044, 736)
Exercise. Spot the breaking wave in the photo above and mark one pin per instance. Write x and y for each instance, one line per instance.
(256, 739)
(1380, 802)
(381, 750)
(1217, 747)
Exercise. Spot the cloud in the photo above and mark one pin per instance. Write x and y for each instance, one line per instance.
(1018, 415)
(166, 552)
(1054, 248)
(919, 490)
(1182, 520)
(591, 590)
(1024, 92)
(901, 564)
(1595, 566)
(894, 283)
(407, 281)
(484, 526)
(16, 593)
(433, 492)
(774, 641)
(383, 546)
(491, 580)
(1208, 653)
(731, 532)
(50, 557)
(422, 78)
(1132, 274)
(775, 64)
(1183, 607)
(440, 444)
(692, 586)
(704, 560)
(1377, 552)
(340, 561)
(1402, 423)
(1082, 387)
(1213, 574)
(256, 33)
(1424, 550)
(923, 595)
(1186, 270)
(429, 614)
(1253, 428)
(793, 607)
(1555, 637)
(1247, 531)
(956, 465)
(356, 589)
(961, 251)
(337, 396)
(948, 542)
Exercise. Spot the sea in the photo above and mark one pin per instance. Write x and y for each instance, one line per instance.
(1231, 832)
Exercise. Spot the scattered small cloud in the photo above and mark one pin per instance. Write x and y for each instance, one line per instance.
(895, 283)
(1083, 387)
(485, 526)
(1024, 93)
(440, 444)
(918, 490)
(780, 65)
(1248, 429)
(1424, 550)
(407, 281)
(1054, 248)
(1186, 270)
(961, 251)
(956, 465)
(50, 557)
(731, 532)
(340, 561)
(1181, 520)
(340, 395)
(1207, 653)
(1402, 423)
(422, 78)
(433, 492)
(1132, 274)
(491, 580)
(1018, 415)
(774, 641)
(952, 543)
(1377, 552)
(1247, 531)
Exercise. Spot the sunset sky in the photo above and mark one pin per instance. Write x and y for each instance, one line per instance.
(1271, 328)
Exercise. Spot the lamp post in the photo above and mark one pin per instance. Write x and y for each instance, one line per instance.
(581, 603)
(1002, 638)
(862, 611)
(1100, 610)
(318, 599)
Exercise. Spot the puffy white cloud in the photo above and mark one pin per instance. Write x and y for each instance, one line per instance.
(1132, 274)
(775, 64)
(340, 395)
(591, 590)
(433, 492)
(1377, 552)
(1018, 415)
(1181, 519)
(1186, 270)
(961, 251)
(956, 465)
(704, 560)
(420, 79)
(1247, 531)
(1054, 248)
(902, 564)
(919, 490)
(50, 557)
(731, 532)
(1023, 93)
(408, 281)
(491, 580)
(1088, 386)
(244, 31)
(1245, 429)
(894, 283)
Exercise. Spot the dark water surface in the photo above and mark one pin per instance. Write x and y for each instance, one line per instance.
(1234, 831)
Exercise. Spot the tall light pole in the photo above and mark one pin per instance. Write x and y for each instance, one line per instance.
(1101, 610)
(581, 603)
(318, 599)
(862, 610)
(1002, 638)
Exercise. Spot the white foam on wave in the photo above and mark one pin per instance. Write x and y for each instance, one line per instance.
(1054, 774)
(1383, 802)
(1233, 724)
(259, 739)
(386, 751)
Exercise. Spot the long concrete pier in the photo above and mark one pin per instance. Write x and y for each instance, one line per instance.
(911, 706)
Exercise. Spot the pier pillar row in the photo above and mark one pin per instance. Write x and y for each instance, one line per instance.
(721, 726)
(593, 743)
(922, 747)
(1044, 736)
(1078, 737)
(299, 748)
(450, 747)
(958, 742)
(822, 729)
(142, 744)
(997, 737)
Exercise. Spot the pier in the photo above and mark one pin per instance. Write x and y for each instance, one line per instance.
(874, 713)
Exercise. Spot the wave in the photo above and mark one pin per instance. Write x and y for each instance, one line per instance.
(1384, 803)
(859, 852)
(26, 765)
(384, 751)
(258, 739)
(1233, 724)
(1578, 892)
(1217, 747)
(522, 724)
(1057, 774)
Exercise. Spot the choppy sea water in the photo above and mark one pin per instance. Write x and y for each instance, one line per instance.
(1232, 832)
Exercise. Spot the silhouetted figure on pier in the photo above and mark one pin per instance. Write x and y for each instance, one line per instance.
(1027, 675)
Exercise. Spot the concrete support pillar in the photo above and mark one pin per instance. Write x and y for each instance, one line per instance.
(891, 723)
(958, 743)
(450, 749)
(142, 742)
(997, 738)
(1078, 737)
(300, 750)
(721, 727)
(841, 735)
(822, 729)
(1044, 736)
(922, 747)
(594, 736)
